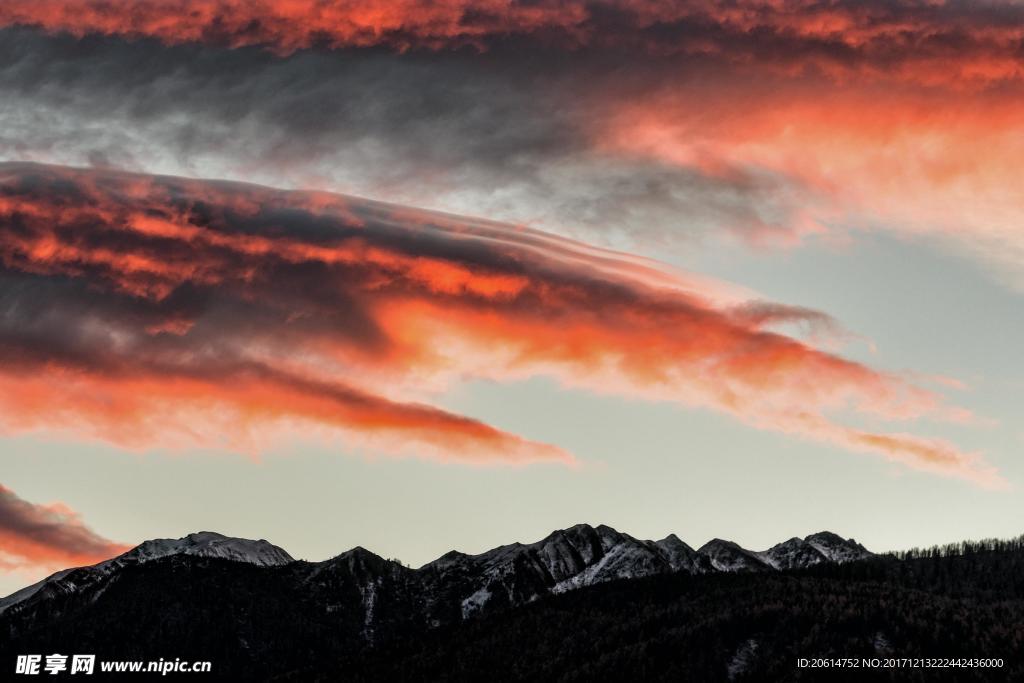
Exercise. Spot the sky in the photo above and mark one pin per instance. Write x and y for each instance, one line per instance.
(425, 275)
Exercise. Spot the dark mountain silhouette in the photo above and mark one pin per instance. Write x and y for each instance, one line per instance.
(583, 603)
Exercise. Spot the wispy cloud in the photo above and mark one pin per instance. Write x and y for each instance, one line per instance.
(45, 537)
(142, 308)
(920, 162)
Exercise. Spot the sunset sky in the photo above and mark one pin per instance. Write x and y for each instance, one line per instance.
(430, 274)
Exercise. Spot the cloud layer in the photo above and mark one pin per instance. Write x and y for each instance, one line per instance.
(940, 40)
(149, 309)
(634, 124)
(47, 537)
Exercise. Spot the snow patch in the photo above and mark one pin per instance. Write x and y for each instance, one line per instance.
(475, 602)
(742, 659)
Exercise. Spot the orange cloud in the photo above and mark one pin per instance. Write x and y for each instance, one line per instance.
(917, 161)
(47, 537)
(144, 308)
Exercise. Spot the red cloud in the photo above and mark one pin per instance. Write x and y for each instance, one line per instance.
(920, 40)
(45, 537)
(139, 307)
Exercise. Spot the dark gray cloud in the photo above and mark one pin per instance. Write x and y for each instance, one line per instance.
(506, 135)
(852, 33)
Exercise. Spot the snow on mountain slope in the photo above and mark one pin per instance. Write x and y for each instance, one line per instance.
(682, 557)
(837, 549)
(210, 544)
(564, 560)
(28, 591)
(727, 556)
(792, 554)
(201, 544)
(796, 553)
(627, 559)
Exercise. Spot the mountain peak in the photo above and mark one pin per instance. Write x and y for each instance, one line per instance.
(835, 548)
(209, 544)
(356, 554)
(198, 544)
(796, 553)
(718, 543)
(727, 556)
(829, 537)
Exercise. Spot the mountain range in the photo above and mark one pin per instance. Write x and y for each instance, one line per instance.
(584, 603)
(457, 585)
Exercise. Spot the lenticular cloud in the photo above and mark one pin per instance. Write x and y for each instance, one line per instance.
(152, 310)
